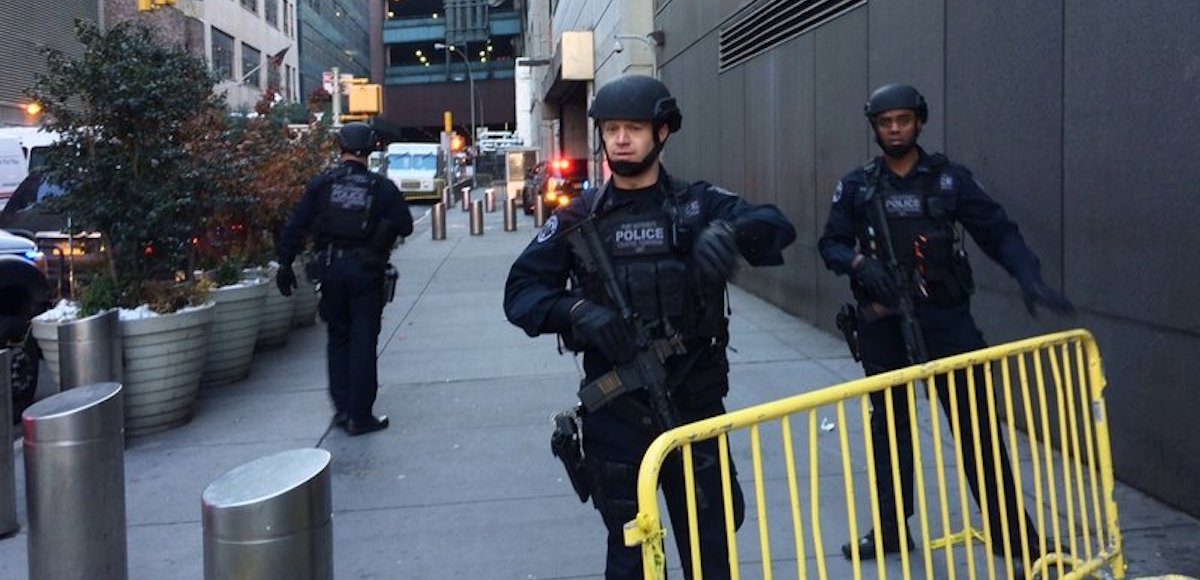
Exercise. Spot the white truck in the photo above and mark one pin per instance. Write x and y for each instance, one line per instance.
(415, 169)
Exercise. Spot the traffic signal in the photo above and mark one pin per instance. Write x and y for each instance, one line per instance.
(457, 143)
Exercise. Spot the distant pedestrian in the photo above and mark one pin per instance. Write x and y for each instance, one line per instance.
(927, 201)
(355, 216)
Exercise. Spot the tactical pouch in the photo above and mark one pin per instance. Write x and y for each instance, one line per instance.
(847, 322)
(567, 445)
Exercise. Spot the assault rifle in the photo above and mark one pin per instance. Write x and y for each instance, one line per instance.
(908, 281)
(646, 370)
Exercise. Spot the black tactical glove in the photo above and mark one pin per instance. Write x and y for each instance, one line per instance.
(605, 329)
(877, 282)
(285, 279)
(716, 251)
(1035, 291)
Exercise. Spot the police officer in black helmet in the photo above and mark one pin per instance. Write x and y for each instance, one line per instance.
(673, 246)
(355, 217)
(928, 201)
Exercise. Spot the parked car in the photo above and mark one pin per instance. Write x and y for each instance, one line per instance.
(24, 293)
(558, 181)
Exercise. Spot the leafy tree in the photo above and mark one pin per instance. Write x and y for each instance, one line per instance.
(125, 109)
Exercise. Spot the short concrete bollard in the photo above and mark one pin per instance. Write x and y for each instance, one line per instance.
(8, 476)
(491, 200)
(75, 484)
(437, 221)
(271, 519)
(510, 215)
(89, 350)
(466, 199)
(539, 211)
(477, 218)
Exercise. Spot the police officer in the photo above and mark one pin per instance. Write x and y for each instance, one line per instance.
(355, 217)
(673, 245)
(928, 200)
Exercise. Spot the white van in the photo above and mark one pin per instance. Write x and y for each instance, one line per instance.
(21, 149)
(415, 169)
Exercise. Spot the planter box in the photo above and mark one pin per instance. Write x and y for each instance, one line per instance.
(276, 318)
(237, 315)
(164, 359)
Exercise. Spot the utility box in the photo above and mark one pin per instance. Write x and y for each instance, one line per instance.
(578, 55)
(518, 162)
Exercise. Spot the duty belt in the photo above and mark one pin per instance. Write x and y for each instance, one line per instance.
(361, 252)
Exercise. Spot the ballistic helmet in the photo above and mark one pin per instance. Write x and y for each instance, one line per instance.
(636, 98)
(896, 96)
(357, 137)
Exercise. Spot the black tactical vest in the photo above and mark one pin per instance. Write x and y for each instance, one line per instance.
(650, 255)
(346, 217)
(921, 222)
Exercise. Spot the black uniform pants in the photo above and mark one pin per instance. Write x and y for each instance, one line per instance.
(613, 448)
(948, 331)
(352, 306)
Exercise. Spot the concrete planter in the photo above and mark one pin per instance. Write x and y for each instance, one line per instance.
(276, 315)
(306, 298)
(237, 315)
(164, 359)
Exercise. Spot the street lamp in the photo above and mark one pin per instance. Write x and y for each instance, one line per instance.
(470, 105)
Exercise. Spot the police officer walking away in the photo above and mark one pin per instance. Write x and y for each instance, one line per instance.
(652, 280)
(894, 230)
(355, 217)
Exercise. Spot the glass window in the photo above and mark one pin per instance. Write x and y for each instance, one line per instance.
(273, 77)
(409, 161)
(271, 12)
(251, 5)
(222, 54)
(251, 65)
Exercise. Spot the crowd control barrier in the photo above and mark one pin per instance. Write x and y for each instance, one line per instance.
(1041, 398)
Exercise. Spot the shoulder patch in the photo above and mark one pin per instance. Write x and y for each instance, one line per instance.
(548, 229)
(837, 193)
(692, 209)
(946, 182)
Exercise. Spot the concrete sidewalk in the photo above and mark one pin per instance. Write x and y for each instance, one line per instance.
(463, 484)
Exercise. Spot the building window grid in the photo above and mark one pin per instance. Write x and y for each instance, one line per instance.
(222, 54)
(251, 65)
(251, 5)
(271, 12)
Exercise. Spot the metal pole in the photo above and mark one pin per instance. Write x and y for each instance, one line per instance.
(466, 199)
(510, 215)
(337, 97)
(447, 196)
(75, 484)
(491, 200)
(539, 211)
(8, 476)
(438, 221)
(477, 218)
(271, 519)
(89, 350)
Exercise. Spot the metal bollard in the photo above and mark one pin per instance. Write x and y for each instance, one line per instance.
(539, 211)
(437, 220)
(466, 199)
(447, 196)
(510, 215)
(75, 484)
(477, 218)
(8, 476)
(491, 200)
(89, 350)
(271, 519)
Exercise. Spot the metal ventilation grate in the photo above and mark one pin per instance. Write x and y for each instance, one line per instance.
(772, 23)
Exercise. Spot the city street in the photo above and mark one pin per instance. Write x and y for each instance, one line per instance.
(463, 485)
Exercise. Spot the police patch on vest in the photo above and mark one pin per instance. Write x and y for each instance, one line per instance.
(837, 193)
(692, 209)
(904, 205)
(946, 183)
(639, 238)
(348, 196)
(548, 229)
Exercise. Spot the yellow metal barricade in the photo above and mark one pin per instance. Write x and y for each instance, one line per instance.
(1041, 398)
